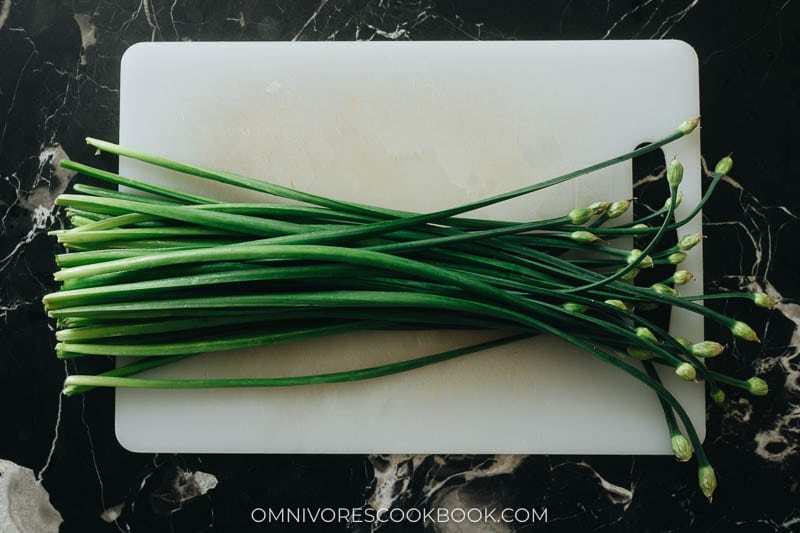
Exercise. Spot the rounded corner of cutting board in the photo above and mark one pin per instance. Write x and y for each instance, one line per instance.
(685, 52)
(133, 54)
(129, 435)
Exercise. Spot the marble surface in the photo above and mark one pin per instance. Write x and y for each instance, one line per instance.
(59, 82)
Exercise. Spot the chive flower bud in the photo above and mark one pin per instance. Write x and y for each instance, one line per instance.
(640, 226)
(666, 290)
(573, 307)
(630, 275)
(708, 480)
(674, 172)
(688, 125)
(757, 386)
(718, 397)
(686, 372)
(676, 258)
(687, 242)
(646, 262)
(681, 277)
(764, 300)
(583, 237)
(678, 200)
(618, 208)
(580, 215)
(681, 448)
(598, 208)
(639, 353)
(619, 304)
(683, 342)
(706, 349)
(724, 166)
(743, 331)
(646, 334)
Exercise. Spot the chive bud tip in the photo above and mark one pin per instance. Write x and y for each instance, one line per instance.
(629, 275)
(682, 277)
(598, 208)
(686, 372)
(718, 396)
(706, 349)
(646, 334)
(666, 290)
(689, 125)
(764, 300)
(676, 258)
(580, 215)
(619, 304)
(639, 353)
(584, 237)
(743, 331)
(618, 208)
(681, 448)
(724, 166)
(678, 200)
(757, 386)
(687, 242)
(708, 480)
(573, 307)
(674, 172)
(683, 342)
(640, 226)
(644, 262)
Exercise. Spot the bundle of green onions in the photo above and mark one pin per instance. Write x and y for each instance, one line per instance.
(165, 275)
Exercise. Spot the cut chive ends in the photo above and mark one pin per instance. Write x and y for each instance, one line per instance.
(164, 275)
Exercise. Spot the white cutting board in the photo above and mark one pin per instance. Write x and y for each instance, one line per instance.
(419, 126)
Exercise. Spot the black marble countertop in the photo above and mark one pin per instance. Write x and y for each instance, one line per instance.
(59, 79)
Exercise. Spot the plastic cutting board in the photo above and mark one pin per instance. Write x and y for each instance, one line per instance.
(418, 126)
